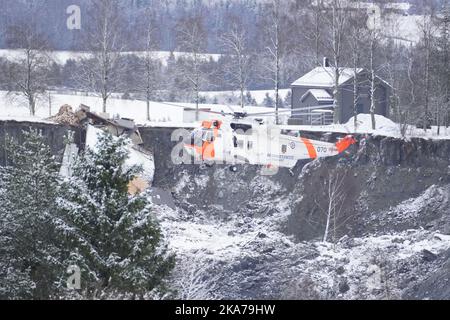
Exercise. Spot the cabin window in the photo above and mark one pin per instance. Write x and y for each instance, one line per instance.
(284, 148)
(241, 144)
(250, 145)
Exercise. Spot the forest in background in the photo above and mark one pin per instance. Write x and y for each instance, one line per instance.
(264, 45)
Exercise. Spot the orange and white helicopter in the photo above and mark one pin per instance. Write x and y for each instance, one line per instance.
(255, 142)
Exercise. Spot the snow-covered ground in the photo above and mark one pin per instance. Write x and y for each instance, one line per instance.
(13, 107)
(61, 57)
(384, 127)
(171, 114)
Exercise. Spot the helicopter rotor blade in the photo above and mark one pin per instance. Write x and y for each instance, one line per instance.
(269, 113)
(200, 110)
(230, 108)
(242, 115)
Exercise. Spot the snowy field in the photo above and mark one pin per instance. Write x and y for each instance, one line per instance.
(61, 57)
(13, 107)
(168, 114)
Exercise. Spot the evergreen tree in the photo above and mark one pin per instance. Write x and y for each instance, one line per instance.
(30, 266)
(288, 99)
(117, 239)
(268, 101)
(249, 100)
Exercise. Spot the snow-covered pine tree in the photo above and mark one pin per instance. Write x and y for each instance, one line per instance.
(117, 241)
(30, 264)
(268, 101)
(288, 100)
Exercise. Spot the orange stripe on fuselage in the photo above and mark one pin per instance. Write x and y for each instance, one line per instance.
(309, 146)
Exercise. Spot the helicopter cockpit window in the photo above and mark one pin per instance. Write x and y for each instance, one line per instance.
(207, 136)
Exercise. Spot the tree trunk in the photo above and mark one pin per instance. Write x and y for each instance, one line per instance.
(355, 95)
(105, 99)
(327, 225)
(277, 120)
(32, 105)
(372, 84)
(427, 86)
(277, 69)
(148, 108)
(438, 122)
(242, 95)
(49, 104)
(337, 113)
(196, 105)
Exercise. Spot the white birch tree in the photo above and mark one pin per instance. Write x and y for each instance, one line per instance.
(148, 69)
(192, 39)
(274, 50)
(335, 195)
(235, 44)
(357, 37)
(427, 29)
(101, 69)
(30, 68)
(337, 18)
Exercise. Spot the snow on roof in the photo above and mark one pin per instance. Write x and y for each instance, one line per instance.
(384, 127)
(21, 118)
(324, 77)
(318, 94)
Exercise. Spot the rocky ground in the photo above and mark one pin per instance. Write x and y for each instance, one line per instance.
(253, 260)
(246, 235)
